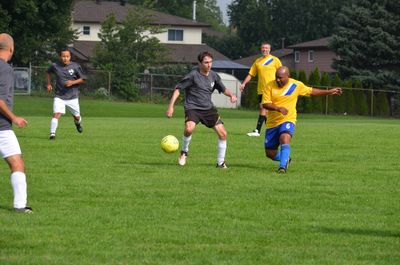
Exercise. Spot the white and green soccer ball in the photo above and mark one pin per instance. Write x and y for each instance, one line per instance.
(169, 144)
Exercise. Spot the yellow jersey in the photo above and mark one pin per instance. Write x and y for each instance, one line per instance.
(265, 68)
(285, 96)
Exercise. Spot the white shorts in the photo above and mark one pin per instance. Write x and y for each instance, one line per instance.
(72, 105)
(9, 145)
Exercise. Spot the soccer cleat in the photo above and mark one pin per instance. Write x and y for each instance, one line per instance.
(26, 209)
(52, 136)
(281, 170)
(223, 165)
(182, 158)
(79, 127)
(254, 133)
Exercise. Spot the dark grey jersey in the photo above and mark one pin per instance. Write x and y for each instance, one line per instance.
(72, 71)
(198, 89)
(6, 92)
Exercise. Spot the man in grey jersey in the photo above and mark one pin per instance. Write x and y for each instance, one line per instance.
(69, 76)
(9, 146)
(198, 86)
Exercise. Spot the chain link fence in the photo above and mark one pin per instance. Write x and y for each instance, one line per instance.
(158, 88)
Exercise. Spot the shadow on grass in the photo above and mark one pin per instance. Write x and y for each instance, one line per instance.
(357, 231)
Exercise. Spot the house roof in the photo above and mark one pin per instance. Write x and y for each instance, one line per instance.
(187, 53)
(227, 64)
(324, 42)
(97, 11)
(177, 53)
(248, 61)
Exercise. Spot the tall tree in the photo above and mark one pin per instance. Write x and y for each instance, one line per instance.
(368, 43)
(288, 21)
(127, 50)
(38, 27)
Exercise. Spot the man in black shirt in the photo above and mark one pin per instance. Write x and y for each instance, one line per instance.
(69, 76)
(198, 86)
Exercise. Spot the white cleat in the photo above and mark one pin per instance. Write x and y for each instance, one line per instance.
(182, 158)
(254, 133)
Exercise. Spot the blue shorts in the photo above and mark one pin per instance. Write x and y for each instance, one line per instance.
(272, 134)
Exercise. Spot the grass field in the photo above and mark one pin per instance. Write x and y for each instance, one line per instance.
(111, 196)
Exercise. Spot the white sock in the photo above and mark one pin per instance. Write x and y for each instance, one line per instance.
(18, 183)
(221, 151)
(53, 125)
(186, 141)
(78, 122)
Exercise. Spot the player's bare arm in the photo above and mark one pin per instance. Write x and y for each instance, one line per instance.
(170, 110)
(322, 92)
(246, 80)
(19, 121)
(70, 83)
(229, 93)
(270, 106)
(49, 86)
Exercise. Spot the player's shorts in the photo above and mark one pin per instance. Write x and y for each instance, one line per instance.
(209, 118)
(72, 105)
(9, 145)
(272, 134)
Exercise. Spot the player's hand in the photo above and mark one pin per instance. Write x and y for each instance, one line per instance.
(233, 98)
(69, 83)
(20, 122)
(49, 88)
(336, 91)
(283, 110)
(241, 87)
(169, 112)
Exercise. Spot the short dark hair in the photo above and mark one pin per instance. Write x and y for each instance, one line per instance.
(65, 49)
(204, 54)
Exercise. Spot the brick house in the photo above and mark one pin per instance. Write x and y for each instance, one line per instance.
(312, 54)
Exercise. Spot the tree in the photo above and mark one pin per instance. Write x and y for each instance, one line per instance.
(127, 50)
(39, 28)
(206, 10)
(361, 106)
(337, 102)
(316, 102)
(290, 20)
(325, 83)
(367, 41)
(349, 102)
(251, 20)
(231, 45)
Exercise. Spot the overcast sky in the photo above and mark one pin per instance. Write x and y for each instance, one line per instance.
(223, 6)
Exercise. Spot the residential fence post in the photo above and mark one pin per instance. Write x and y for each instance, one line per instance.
(109, 83)
(372, 103)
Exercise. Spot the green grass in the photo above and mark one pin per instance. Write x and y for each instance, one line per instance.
(111, 196)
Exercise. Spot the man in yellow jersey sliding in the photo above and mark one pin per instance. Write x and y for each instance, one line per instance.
(264, 67)
(280, 98)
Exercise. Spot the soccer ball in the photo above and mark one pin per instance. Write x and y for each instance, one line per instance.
(169, 144)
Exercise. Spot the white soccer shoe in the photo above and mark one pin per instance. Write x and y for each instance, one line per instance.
(182, 158)
(254, 133)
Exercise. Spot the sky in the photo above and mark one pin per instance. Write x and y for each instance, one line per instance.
(223, 4)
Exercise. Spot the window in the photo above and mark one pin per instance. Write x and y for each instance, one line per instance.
(310, 56)
(86, 30)
(297, 56)
(175, 34)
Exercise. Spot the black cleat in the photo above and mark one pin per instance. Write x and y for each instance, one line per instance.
(26, 209)
(52, 136)
(79, 127)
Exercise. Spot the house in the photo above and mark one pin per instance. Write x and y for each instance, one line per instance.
(182, 37)
(312, 54)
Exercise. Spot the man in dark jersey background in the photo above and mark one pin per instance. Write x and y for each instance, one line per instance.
(69, 76)
(9, 146)
(198, 86)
